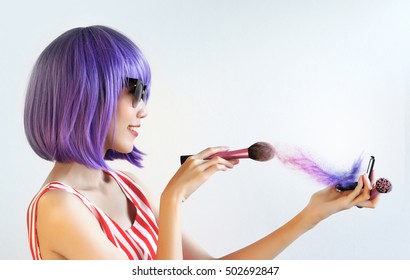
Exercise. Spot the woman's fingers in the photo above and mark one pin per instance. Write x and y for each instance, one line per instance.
(216, 164)
(197, 170)
(369, 203)
(210, 151)
(357, 191)
(372, 177)
(362, 193)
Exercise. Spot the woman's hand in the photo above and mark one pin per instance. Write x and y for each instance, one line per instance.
(196, 170)
(192, 174)
(330, 201)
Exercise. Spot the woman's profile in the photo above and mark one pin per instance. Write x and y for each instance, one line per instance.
(86, 100)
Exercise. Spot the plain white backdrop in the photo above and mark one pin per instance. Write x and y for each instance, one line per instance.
(331, 77)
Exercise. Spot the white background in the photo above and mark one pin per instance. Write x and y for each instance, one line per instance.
(329, 76)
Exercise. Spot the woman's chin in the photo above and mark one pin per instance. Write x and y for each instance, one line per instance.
(125, 149)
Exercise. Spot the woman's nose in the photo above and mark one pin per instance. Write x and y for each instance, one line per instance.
(142, 110)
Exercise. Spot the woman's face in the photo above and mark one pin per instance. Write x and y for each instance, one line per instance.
(127, 122)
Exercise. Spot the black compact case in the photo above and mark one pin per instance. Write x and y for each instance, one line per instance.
(351, 186)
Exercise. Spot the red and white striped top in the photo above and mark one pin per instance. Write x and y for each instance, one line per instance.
(137, 242)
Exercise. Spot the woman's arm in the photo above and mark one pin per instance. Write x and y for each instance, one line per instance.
(192, 174)
(190, 249)
(322, 205)
(173, 245)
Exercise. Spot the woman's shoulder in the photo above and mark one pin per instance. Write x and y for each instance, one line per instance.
(57, 199)
(61, 215)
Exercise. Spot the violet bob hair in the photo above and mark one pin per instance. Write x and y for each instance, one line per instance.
(73, 91)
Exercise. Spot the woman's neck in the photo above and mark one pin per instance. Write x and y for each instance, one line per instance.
(78, 175)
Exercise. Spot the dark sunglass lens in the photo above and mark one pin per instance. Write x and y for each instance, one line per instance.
(138, 90)
(144, 94)
(137, 94)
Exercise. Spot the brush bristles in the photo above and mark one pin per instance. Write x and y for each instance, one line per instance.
(261, 151)
(383, 185)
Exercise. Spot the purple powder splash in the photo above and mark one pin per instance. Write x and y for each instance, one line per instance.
(321, 173)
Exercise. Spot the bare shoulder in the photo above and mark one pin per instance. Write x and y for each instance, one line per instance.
(59, 214)
(58, 208)
(67, 229)
(55, 200)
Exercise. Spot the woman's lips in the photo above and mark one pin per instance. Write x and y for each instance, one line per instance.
(133, 130)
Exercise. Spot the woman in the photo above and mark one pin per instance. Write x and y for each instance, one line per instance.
(85, 101)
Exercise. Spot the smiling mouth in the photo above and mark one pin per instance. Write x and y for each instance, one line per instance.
(133, 130)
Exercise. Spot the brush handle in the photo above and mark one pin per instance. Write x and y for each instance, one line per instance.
(235, 154)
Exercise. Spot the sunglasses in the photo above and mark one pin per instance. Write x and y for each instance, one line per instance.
(137, 89)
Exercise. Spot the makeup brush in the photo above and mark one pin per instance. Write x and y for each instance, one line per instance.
(260, 151)
(382, 186)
